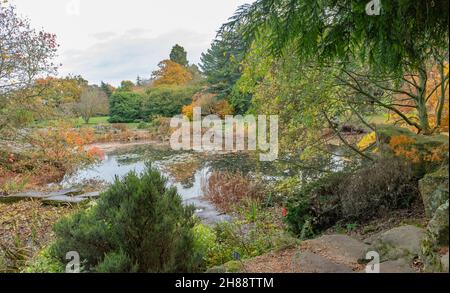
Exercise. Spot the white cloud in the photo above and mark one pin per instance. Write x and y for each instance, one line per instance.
(128, 55)
(113, 40)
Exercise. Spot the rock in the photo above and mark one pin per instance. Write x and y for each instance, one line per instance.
(308, 262)
(444, 262)
(437, 236)
(67, 191)
(39, 195)
(425, 146)
(64, 200)
(93, 194)
(438, 228)
(396, 266)
(343, 248)
(434, 190)
(399, 242)
(22, 196)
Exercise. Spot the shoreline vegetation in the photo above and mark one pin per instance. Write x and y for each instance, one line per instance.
(362, 165)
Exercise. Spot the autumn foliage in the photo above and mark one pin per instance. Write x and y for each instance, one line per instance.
(209, 104)
(436, 96)
(171, 73)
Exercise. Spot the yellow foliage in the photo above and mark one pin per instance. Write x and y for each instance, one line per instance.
(209, 105)
(188, 111)
(171, 73)
(223, 108)
(367, 141)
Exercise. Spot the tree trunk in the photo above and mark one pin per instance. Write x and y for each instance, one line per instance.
(422, 103)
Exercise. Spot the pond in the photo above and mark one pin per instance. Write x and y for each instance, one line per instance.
(185, 170)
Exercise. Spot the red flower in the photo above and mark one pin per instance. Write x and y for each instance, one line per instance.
(284, 212)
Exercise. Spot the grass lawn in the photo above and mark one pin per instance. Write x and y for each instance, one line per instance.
(101, 120)
(92, 122)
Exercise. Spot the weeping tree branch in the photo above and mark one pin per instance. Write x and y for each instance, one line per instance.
(338, 134)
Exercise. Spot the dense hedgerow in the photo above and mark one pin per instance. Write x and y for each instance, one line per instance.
(138, 225)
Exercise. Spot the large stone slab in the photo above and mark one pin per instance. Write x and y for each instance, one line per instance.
(27, 195)
(342, 248)
(23, 196)
(396, 267)
(91, 195)
(64, 200)
(66, 191)
(308, 262)
(399, 242)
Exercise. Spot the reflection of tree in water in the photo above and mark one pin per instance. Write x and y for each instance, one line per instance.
(137, 154)
(183, 166)
(183, 172)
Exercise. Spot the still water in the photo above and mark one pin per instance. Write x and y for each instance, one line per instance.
(185, 170)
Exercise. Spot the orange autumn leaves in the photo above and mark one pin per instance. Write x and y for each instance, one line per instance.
(406, 147)
(171, 73)
(209, 104)
(64, 146)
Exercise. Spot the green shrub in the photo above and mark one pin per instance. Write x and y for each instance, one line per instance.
(166, 101)
(116, 262)
(248, 237)
(315, 206)
(43, 262)
(143, 125)
(124, 107)
(138, 225)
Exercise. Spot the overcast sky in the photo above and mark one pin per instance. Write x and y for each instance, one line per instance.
(114, 40)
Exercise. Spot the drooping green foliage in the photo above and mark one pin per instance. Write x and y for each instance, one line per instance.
(404, 34)
(179, 55)
(166, 101)
(124, 107)
(138, 225)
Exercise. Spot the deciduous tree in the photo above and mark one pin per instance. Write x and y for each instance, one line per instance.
(171, 73)
(93, 101)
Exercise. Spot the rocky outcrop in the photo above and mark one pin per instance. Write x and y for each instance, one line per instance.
(308, 262)
(434, 189)
(437, 236)
(342, 248)
(335, 254)
(402, 242)
(423, 143)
